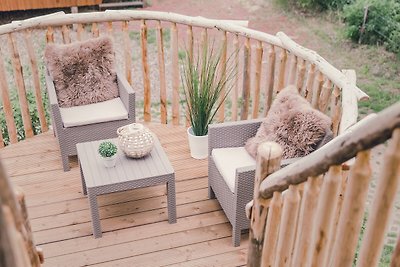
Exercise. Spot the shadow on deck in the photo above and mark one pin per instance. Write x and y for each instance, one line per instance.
(134, 223)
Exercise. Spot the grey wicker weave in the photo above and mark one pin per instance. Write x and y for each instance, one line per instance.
(128, 173)
(235, 134)
(68, 137)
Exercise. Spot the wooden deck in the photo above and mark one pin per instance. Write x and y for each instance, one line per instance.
(134, 223)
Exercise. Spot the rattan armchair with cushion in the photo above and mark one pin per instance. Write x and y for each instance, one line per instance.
(90, 122)
(89, 100)
(231, 165)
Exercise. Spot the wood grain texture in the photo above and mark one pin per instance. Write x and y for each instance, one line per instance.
(235, 91)
(7, 108)
(257, 79)
(36, 80)
(19, 81)
(146, 72)
(127, 51)
(383, 203)
(341, 149)
(269, 89)
(134, 223)
(161, 69)
(269, 156)
(246, 80)
(352, 212)
(175, 75)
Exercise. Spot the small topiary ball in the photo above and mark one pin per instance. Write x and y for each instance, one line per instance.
(107, 149)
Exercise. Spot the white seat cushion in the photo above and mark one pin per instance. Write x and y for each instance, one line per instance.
(110, 110)
(227, 160)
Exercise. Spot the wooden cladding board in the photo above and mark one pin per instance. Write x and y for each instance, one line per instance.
(11, 5)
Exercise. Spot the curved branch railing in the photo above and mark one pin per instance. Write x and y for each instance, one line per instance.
(266, 63)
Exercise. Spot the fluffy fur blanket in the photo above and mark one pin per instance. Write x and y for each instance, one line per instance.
(292, 123)
(83, 72)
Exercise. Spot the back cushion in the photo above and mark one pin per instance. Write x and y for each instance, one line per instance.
(293, 124)
(83, 72)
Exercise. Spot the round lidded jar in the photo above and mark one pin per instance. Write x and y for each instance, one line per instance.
(135, 140)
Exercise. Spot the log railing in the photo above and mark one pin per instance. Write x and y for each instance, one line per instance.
(148, 46)
(16, 239)
(310, 212)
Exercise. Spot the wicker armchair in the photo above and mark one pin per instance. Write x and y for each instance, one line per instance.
(234, 197)
(70, 135)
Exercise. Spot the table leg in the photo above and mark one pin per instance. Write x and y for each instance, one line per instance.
(171, 201)
(84, 190)
(94, 211)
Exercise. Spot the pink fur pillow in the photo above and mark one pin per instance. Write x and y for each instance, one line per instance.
(292, 123)
(83, 72)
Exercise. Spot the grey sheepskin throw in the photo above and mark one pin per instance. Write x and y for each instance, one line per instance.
(292, 123)
(83, 72)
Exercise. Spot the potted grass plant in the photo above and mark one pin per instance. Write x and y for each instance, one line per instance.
(108, 151)
(205, 89)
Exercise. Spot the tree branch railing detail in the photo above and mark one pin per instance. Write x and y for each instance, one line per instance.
(148, 47)
(310, 212)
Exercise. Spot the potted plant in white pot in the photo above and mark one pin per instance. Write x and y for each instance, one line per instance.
(108, 151)
(205, 89)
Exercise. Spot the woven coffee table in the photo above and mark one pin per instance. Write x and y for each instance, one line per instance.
(127, 174)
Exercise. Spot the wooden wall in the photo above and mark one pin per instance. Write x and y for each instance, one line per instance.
(11, 5)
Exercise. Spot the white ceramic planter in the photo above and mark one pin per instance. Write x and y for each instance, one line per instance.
(110, 162)
(198, 145)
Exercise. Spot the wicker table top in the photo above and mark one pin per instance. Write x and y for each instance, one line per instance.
(126, 169)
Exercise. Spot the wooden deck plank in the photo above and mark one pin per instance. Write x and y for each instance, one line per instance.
(119, 209)
(125, 221)
(73, 205)
(229, 259)
(135, 226)
(143, 246)
(131, 234)
(179, 254)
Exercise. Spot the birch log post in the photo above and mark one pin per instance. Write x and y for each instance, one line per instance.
(246, 80)
(282, 70)
(300, 73)
(127, 51)
(269, 89)
(7, 108)
(336, 110)
(222, 73)
(161, 69)
(50, 35)
(66, 34)
(287, 228)
(235, 93)
(305, 224)
(324, 219)
(190, 44)
(257, 79)
(95, 30)
(317, 87)
(292, 70)
(309, 84)
(80, 31)
(326, 93)
(146, 73)
(269, 156)
(36, 80)
(272, 230)
(382, 204)
(175, 75)
(19, 81)
(17, 257)
(30, 245)
(353, 211)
